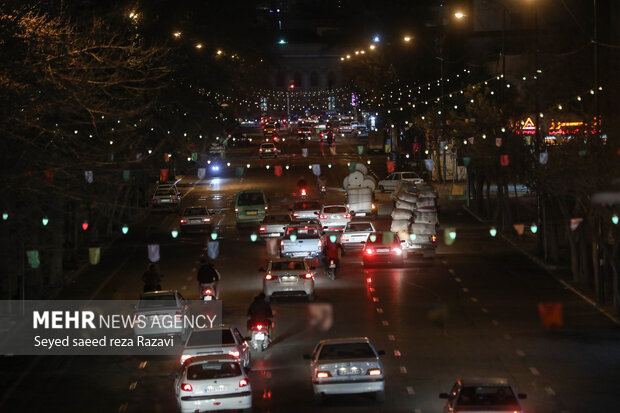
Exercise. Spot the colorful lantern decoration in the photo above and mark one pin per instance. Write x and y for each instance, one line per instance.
(614, 219)
(493, 232)
(504, 160)
(163, 175)
(174, 233)
(412, 237)
(88, 175)
(5, 216)
(94, 255)
(153, 250)
(85, 225)
(33, 258)
(214, 236)
(125, 229)
(390, 166)
(534, 228)
(126, 175)
(45, 221)
(253, 237)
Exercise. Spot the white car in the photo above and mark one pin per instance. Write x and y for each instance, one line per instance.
(267, 149)
(479, 395)
(212, 383)
(196, 218)
(218, 340)
(390, 183)
(159, 312)
(305, 210)
(334, 217)
(288, 276)
(355, 235)
(346, 366)
(166, 196)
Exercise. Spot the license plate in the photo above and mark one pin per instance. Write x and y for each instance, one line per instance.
(259, 336)
(164, 201)
(360, 214)
(289, 279)
(195, 221)
(383, 250)
(275, 234)
(252, 213)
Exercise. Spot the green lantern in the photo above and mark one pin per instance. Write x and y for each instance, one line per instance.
(293, 237)
(614, 219)
(493, 232)
(5, 216)
(253, 237)
(373, 237)
(452, 234)
(412, 237)
(534, 228)
(174, 233)
(214, 236)
(333, 238)
(125, 229)
(45, 221)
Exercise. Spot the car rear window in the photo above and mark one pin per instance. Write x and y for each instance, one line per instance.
(250, 198)
(210, 337)
(287, 265)
(157, 301)
(346, 351)
(383, 238)
(301, 206)
(268, 146)
(212, 371)
(164, 192)
(335, 210)
(359, 226)
(487, 396)
(196, 211)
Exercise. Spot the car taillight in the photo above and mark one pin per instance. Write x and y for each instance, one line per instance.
(178, 315)
(345, 239)
(186, 387)
(373, 206)
(262, 229)
(347, 216)
(206, 219)
(154, 201)
(259, 327)
(185, 357)
(322, 374)
(234, 353)
(175, 199)
(374, 372)
(270, 277)
(397, 250)
(433, 238)
(322, 216)
(307, 276)
(296, 214)
(183, 221)
(243, 382)
(369, 251)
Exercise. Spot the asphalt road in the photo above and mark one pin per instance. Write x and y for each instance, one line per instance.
(470, 311)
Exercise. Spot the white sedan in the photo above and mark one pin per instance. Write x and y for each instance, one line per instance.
(334, 217)
(346, 366)
(212, 383)
(288, 276)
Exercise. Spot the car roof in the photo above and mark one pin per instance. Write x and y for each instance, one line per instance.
(212, 357)
(345, 340)
(484, 381)
(161, 292)
(335, 205)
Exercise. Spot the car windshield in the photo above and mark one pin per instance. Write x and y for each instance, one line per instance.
(268, 146)
(250, 198)
(359, 226)
(211, 371)
(196, 211)
(409, 175)
(335, 210)
(346, 351)
(303, 232)
(276, 218)
(210, 337)
(287, 265)
(153, 301)
(383, 238)
(487, 396)
(301, 206)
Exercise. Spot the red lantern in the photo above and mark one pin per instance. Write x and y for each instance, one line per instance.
(390, 166)
(416, 147)
(277, 169)
(85, 225)
(49, 177)
(503, 159)
(163, 175)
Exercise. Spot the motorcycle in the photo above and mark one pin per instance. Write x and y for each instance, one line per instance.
(260, 335)
(303, 192)
(208, 292)
(323, 191)
(331, 270)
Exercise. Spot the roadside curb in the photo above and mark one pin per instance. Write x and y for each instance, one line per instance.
(549, 269)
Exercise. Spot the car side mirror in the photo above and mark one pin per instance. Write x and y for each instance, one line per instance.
(381, 352)
(261, 269)
(522, 396)
(444, 396)
(307, 357)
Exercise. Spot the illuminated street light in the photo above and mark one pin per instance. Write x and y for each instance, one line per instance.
(376, 39)
(177, 35)
(348, 56)
(372, 47)
(459, 15)
(198, 45)
(407, 38)
(219, 52)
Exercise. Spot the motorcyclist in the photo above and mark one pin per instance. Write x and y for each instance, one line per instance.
(332, 250)
(302, 184)
(260, 311)
(321, 181)
(208, 276)
(151, 278)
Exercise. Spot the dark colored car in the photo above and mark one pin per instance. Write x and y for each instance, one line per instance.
(382, 248)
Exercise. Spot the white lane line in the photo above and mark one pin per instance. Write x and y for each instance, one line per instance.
(391, 337)
(465, 289)
(410, 390)
(549, 391)
(534, 371)
(474, 299)
(484, 310)
(520, 353)
(133, 385)
(495, 322)
(403, 369)
(457, 279)
(397, 353)
(451, 271)
(380, 310)
(123, 407)
(143, 364)
(385, 323)
(507, 336)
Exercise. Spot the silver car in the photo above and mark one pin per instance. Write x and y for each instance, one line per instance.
(334, 217)
(479, 395)
(168, 197)
(306, 210)
(355, 235)
(197, 219)
(288, 276)
(390, 183)
(160, 313)
(346, 366)
(218, 340)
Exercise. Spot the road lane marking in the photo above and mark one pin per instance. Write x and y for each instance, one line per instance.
(534, 371)
(495, 322)
(410, 390)
(380, 310)
(451, 271)
(549, 391)
(474, 299)
(403, 369)
(391, 337)
(397, 353)
(385, 323)
(143, 364)
(123, 407)
(520, 353)
(457, 279)
(465, 289)
(484, 310)
(375, 299)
